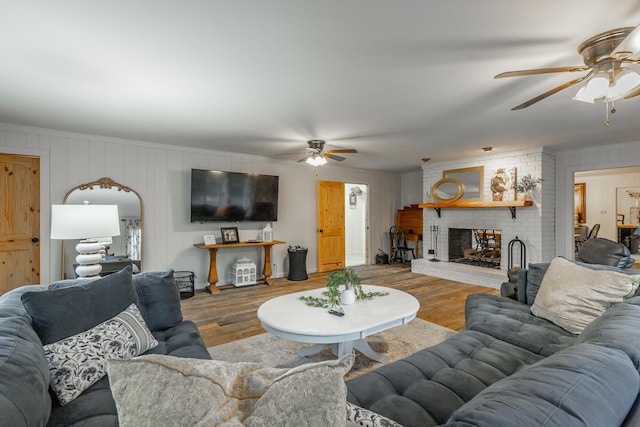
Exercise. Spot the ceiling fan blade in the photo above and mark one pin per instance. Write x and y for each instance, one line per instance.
(297, 153)
(344, 150)
(634, 92)
(333, 156)
(541, 71)
(629, 46)
(549, 93)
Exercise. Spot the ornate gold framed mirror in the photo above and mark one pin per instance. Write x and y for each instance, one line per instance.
(447, 190)
(580, 202)
(472, 179)
(122, 250)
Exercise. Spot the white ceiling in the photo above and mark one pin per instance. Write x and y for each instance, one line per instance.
(397, 80)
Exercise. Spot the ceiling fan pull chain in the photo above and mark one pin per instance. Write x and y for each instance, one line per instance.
(606, 112)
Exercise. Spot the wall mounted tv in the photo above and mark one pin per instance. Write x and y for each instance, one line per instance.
(218, 196)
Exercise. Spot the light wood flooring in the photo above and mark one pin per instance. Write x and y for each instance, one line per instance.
(231, 314)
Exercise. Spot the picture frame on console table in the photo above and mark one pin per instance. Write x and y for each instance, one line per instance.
(229, 234)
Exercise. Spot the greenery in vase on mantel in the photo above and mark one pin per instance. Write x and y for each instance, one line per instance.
(347, 277)
(526, 184)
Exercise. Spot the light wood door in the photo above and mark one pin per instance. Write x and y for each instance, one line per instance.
(19, 221)
(330, 225)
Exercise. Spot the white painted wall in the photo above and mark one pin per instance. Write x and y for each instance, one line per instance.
(411, 189)
(161, 175)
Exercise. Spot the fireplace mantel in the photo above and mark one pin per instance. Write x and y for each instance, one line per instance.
(512, 205)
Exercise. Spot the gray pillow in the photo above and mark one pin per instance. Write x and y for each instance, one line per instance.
(535, 275)
(159, 298)
(61, 313)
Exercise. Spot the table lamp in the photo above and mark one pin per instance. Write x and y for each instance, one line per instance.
(87, 222)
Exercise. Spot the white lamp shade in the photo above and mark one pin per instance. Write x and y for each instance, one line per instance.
(624, 82)
(84, 221)
(581, 96)
(597, 86)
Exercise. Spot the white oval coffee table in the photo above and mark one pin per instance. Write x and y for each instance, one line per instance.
(289, 317)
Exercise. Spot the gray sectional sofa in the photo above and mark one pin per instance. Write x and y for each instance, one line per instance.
(512, 368)
(34, 315)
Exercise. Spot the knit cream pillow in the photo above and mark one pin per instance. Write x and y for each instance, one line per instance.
(571, 296)
(157, 390)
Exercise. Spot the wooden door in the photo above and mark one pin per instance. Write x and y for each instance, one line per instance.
(330, 225)
(20, 221)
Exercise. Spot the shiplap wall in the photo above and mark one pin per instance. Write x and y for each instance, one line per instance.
(161, 175)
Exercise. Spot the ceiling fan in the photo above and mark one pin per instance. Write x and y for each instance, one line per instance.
(315, 154)
(605, 57)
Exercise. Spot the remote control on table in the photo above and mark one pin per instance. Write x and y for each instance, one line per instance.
(336, 313)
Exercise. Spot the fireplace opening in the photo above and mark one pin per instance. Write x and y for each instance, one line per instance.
(478, 247)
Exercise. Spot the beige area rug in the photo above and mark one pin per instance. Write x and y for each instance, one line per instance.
(278, 352)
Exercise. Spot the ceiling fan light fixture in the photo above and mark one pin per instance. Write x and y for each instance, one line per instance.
(598, 86)
(316, 160)
(624, 82)
(582, 97)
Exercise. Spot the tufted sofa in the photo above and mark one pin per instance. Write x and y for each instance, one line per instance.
(25, 397)
(509, 367)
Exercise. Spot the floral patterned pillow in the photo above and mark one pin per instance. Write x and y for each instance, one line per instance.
(78, 361)
(367, 418)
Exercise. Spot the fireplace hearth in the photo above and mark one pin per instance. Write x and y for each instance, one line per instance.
(477, 247)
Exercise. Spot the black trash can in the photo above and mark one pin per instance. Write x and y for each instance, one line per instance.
(184, 281)
(297, 263)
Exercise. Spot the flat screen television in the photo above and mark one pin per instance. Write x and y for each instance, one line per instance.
(218, 196)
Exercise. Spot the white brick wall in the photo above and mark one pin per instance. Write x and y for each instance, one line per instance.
(534, 225)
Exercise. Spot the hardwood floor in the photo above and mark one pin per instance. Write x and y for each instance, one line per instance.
(231, 315)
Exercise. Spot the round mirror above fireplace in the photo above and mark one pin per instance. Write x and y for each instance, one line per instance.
(447, 190)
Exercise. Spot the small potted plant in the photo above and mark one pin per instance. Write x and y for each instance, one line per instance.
(336, 297)
(526, 185)
(348, 278)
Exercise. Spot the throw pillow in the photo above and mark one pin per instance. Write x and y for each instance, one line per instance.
(154, 390)
(61, 313)
(572, 296)
(366, 418)
(159, 298)
(77, 362)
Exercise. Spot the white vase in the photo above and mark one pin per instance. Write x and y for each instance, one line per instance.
(528, 195)
(348, 297)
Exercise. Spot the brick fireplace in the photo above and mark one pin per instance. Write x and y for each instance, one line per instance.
(533, 224)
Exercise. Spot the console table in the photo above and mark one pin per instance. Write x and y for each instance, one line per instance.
(213, 252)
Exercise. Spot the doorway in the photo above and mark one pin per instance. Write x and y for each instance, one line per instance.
(355, 221)
(608, 200)
(342, 225)
(20, 226)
